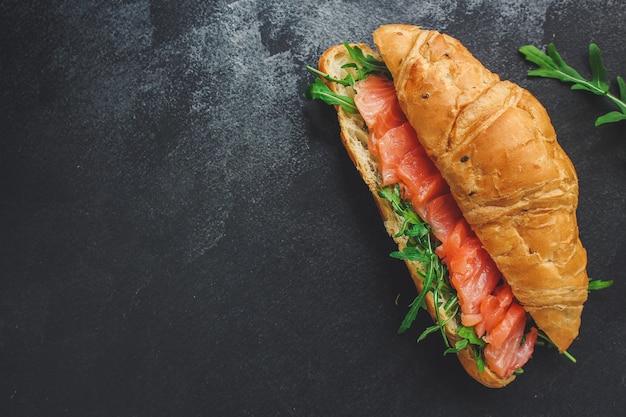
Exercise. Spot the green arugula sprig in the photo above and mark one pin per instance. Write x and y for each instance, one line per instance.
(420, 247)
(363, 65)
(552, 65)
(319, 90)
(469, 337)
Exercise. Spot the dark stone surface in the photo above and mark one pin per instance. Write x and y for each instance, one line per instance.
(182, 234)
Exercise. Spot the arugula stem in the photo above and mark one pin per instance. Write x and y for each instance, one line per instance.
(550, 343)
(594, 89)
(569, 356)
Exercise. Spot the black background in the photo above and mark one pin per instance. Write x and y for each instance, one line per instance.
(183, 235)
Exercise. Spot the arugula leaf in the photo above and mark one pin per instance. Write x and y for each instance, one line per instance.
(319, 90)
(411, 253)
(610, 117)
(349, 80)
(598, 70)
(622, 88)
(598, 284)
(552, 65)
(469, 337)
(428, 330)
(364, 65)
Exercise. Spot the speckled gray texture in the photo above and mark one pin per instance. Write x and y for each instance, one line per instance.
(183, 234)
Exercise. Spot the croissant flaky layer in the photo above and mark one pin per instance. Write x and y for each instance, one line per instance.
(495, 146)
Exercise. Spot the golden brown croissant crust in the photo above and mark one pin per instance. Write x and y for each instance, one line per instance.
(495, 146)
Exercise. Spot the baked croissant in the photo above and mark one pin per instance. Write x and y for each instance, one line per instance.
(496, 148)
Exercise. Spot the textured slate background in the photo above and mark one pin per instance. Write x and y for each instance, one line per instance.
(182, 234)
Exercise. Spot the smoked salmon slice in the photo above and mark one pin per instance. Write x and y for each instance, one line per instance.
(493, 308)
(422, 180)
(393, 145)
(379, 108)
(473, 274)
(486, 301)
(508, 348)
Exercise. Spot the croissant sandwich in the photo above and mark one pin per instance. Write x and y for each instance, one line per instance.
(471, 183)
